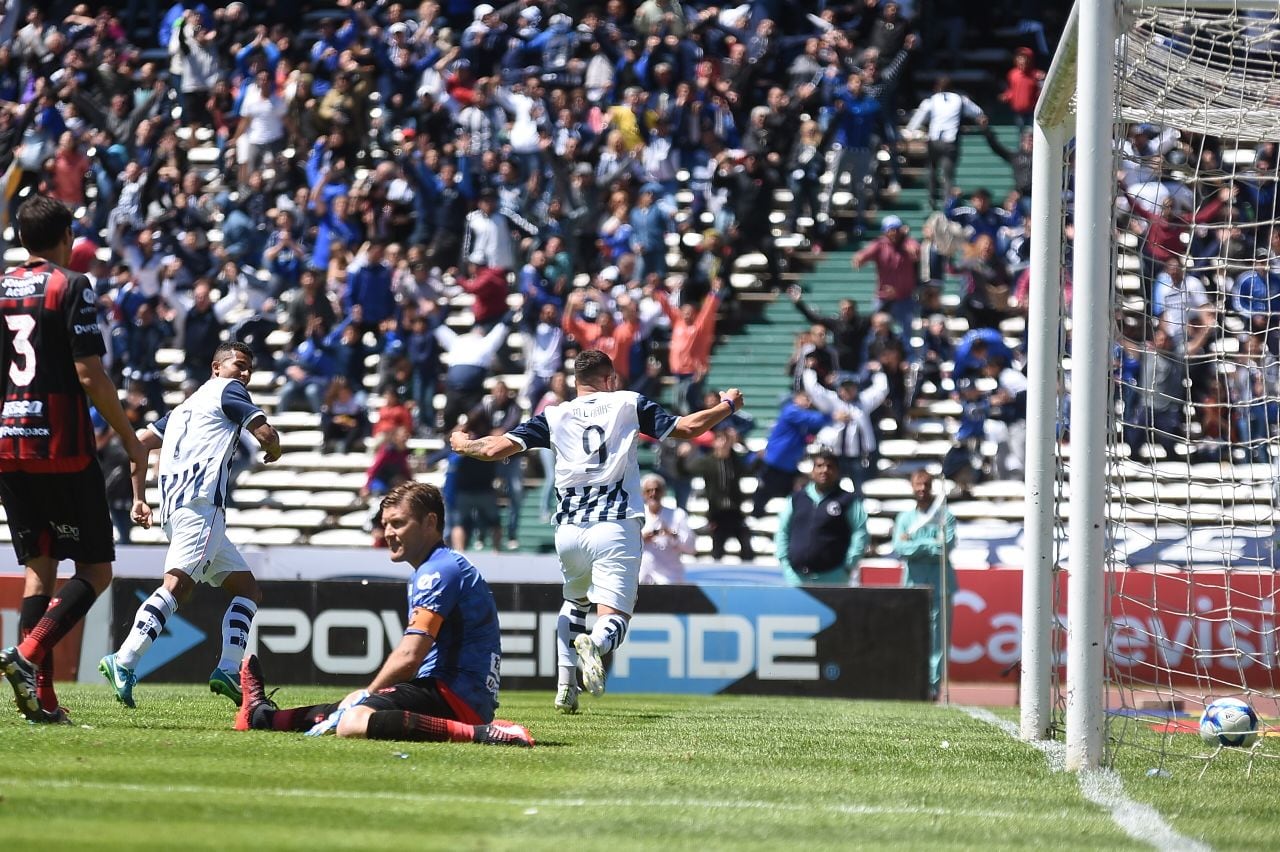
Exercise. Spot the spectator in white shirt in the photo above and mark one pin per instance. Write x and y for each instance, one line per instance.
(945, 111)
(488, 240)
(470, 358)
(1183, 307)
(666, 535)
(544, 354)
(262, 125)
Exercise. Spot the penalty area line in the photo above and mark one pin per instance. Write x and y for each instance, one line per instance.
(1103, 788)
(531, 802)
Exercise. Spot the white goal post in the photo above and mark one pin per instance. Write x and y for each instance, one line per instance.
(1201, 68)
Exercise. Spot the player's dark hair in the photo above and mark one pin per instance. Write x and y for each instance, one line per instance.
(42, 223)
(422, 498)
(225, 349)
(592, 366)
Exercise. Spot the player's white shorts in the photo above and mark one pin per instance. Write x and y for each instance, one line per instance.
(601, 562)
(199, 547)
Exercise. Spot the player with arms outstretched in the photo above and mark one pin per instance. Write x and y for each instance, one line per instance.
(600, 508)
(197, 443)
(52, 487)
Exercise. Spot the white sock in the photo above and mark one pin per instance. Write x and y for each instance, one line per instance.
(609, 632)
(571, 624)
(235, 632)
(148, 624)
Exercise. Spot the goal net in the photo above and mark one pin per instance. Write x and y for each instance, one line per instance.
(1192, 461)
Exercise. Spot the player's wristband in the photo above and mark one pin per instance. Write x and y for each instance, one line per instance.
(732, 408)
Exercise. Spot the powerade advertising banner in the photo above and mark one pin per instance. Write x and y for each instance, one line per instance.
(839, 642)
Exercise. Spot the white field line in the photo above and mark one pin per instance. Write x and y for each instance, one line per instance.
(526, 803)
(1105, 789)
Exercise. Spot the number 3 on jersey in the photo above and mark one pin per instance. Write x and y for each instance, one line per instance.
(601, 451)
(22, 325)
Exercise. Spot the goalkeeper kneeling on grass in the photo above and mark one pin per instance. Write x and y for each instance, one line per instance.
(441, 683)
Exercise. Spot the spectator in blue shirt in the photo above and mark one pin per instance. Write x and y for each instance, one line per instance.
(780, 459)
(369, 299)
(1256, 295)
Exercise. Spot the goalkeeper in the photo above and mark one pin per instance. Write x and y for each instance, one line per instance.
(441, 683)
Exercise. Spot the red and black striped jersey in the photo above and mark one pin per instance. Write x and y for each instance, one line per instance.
(48, 319)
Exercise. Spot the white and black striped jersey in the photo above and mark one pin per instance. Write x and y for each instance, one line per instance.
(200, 437)
(594, 441)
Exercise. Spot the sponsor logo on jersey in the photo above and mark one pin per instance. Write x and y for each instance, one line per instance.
(17, 288)
(16, 408)
(24, 432)
(426, 581)
(87, 329)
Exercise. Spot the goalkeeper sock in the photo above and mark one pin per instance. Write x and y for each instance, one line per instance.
(33, 609)
(235, 632)
(403, 725)
(610, 632)
(292, 719)
(571, 624)
(148, 624)
(65, 611)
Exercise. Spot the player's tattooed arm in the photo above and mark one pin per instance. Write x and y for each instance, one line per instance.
(488, 448)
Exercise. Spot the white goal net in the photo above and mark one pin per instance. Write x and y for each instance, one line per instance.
(1193, 438)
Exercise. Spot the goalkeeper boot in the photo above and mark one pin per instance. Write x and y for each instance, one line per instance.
(253, 693)
(502, 732)
(591, 664)
(22, 677)
(226, 683)
(122, 679)
(567, 698)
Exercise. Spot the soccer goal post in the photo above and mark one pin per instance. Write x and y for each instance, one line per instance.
(1154, 401)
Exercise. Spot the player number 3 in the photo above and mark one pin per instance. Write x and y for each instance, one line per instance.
(22, 325)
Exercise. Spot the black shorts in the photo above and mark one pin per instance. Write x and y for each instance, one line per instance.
(62, 515)
(427, 696)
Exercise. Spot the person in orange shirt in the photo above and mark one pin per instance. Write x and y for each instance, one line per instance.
(693, 331)
(606, 333)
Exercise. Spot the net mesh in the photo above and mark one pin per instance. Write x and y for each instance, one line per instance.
(1194, 450)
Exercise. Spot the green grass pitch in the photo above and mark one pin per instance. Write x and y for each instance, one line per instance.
(629, 772)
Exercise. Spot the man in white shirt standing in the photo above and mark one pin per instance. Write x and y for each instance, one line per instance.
(488, 241)
(262, 125)
(945, 111)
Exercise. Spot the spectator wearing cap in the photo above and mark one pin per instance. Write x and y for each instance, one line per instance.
(1255, 296)
(896, 257)
(852, 436)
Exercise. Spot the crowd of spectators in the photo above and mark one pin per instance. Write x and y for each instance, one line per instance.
(406, 187)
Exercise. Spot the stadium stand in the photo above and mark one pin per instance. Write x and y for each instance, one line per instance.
(378, 106)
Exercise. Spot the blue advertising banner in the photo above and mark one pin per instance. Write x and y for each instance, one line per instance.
(837, 642)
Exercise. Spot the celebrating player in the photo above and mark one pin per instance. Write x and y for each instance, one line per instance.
(440, 684)
(50, 482)
(600, 508)
(197, 441)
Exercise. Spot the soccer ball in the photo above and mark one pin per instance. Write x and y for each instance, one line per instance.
(1229, 722)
